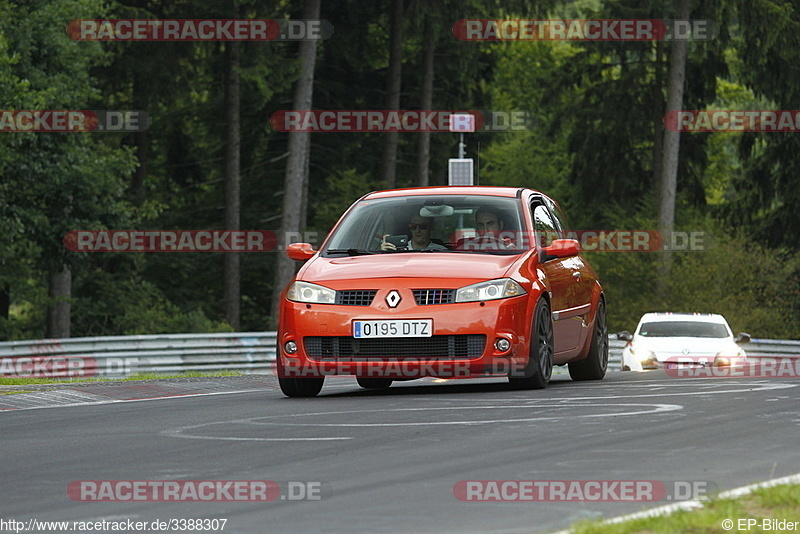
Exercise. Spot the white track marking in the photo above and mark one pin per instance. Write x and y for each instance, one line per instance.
(119, 401)
(180, 432)
(656, 408)
(183, 432)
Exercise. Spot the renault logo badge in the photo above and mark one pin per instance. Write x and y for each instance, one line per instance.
(393, 298)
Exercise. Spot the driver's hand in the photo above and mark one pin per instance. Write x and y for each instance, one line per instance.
(385, 245)
(508, 244)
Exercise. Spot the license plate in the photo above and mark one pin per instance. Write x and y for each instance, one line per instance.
(683, 365)
(393, 328)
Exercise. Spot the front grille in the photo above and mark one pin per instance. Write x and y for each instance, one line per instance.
(425, 297)
(344, 348)
(355, 297)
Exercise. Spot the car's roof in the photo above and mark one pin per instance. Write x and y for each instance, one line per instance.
(450, 190)
(670, 316)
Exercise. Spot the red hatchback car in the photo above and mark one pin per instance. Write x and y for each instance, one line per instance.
(446, 282)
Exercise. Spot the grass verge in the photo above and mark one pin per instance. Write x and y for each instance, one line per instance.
(756, 512)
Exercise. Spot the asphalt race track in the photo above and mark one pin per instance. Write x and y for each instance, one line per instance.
(388, 461)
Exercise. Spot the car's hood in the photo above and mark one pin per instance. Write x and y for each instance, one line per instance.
(671, 347)
(450, 265)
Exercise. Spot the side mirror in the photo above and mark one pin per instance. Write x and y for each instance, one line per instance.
(625, 336)
(563, 248)
(743, 337)
(300, 251)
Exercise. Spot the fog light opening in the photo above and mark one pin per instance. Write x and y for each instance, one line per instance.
(290, 347)
(502, 344)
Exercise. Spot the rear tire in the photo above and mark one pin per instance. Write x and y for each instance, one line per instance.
(301, 387)
(595, 365)
(536, 374)
(374, 383)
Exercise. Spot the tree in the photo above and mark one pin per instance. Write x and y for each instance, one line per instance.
(56, 182)
(764, 199)
(231, 274)
(426, 101)
(296, 164)
(669, 164)
(393, 82)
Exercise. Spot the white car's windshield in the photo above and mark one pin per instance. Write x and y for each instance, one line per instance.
(683, 329)
(449, 223)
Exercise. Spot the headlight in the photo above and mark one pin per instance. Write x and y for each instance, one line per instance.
(643, 355)
(730, 354)
(729, 357)
(501, 288)
(305, 292)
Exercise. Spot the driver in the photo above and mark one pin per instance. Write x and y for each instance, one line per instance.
(419, 229)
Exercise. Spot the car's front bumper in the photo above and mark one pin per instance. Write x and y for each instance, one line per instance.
(679, 361)
(462, 344)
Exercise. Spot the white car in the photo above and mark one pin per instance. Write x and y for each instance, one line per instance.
(672, 340)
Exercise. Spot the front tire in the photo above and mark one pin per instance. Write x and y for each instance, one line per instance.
(374, 383)
(536, 375)
(595, 365)
(301, 387)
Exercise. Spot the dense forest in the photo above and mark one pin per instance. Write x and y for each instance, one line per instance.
(211, 159)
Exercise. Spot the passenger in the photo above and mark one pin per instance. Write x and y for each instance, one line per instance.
(489, 226)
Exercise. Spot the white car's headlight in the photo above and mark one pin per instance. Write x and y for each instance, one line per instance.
(312, 293)
(501, 288)
(731, 356)
(643, 355)
(731, 353)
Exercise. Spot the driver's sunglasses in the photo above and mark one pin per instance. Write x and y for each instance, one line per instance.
(421, 226)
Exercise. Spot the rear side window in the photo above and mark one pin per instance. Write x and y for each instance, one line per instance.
(558, 216)
(547, 230)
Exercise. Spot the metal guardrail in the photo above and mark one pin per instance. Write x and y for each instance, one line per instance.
(124, 355)
(234, 351)
(615, 347)
(772, 348)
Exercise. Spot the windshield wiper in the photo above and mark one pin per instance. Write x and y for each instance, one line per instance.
(349, 251)
(507, 252)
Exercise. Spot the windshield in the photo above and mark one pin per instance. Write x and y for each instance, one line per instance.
(444, 223)
(683, 329)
